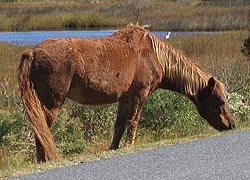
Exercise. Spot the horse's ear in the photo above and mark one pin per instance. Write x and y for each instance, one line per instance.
(211, 83)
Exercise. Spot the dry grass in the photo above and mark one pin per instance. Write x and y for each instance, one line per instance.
(169, 15)
(9, 58)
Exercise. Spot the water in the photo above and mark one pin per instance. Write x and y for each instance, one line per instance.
(34, 37)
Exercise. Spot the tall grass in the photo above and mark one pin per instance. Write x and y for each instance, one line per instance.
(166, 15)
(80, 130)
(197, 18)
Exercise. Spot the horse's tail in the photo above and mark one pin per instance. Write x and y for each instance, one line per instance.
(34, 108)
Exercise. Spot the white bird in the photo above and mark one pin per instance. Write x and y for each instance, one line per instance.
(168, 35)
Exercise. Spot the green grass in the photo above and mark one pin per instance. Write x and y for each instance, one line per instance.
(83, 133)
(162, 15)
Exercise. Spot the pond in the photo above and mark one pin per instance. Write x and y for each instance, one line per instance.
(34, 37)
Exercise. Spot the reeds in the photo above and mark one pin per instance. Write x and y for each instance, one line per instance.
(169, 15)
(196, 18)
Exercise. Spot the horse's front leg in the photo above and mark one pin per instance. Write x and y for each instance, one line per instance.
(120, 123)
(135, 108)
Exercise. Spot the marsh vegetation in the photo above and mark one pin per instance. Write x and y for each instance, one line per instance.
(178, 15)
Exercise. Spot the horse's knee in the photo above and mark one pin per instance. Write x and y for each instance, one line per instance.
(120, 126)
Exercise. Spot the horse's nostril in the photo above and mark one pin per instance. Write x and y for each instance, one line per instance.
(232, 126)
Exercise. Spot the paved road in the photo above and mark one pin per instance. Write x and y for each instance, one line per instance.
(223, 157)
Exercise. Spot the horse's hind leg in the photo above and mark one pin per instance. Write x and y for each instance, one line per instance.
(51, 97)
(120, 123)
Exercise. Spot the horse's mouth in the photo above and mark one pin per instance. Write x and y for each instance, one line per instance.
(227, 128)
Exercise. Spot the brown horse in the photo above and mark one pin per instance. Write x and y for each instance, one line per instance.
(126, 66)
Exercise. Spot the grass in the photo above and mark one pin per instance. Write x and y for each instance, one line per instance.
(84, 133)
(98, 154)
(189, 15)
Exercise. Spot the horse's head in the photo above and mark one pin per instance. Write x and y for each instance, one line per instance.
(213, 106)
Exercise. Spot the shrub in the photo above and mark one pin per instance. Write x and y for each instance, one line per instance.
(239, 107)
(169, 114)
(17, 135)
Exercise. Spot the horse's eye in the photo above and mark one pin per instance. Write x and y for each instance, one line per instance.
(219, 102)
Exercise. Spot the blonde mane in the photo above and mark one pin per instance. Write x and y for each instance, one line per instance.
(180, 71)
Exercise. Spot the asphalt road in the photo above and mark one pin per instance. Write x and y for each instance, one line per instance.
(223, 157)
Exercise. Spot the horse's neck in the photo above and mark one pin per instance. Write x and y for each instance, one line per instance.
(181, 75)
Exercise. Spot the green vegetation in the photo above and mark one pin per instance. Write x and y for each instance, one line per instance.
(162, 15)
(84, 132)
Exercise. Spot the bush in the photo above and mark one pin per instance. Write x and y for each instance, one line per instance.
(68, 134)
(240, 108)
(169, 114)
(17, 135)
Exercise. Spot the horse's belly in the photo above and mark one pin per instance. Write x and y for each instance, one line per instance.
(95, 95)
(98, 84)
